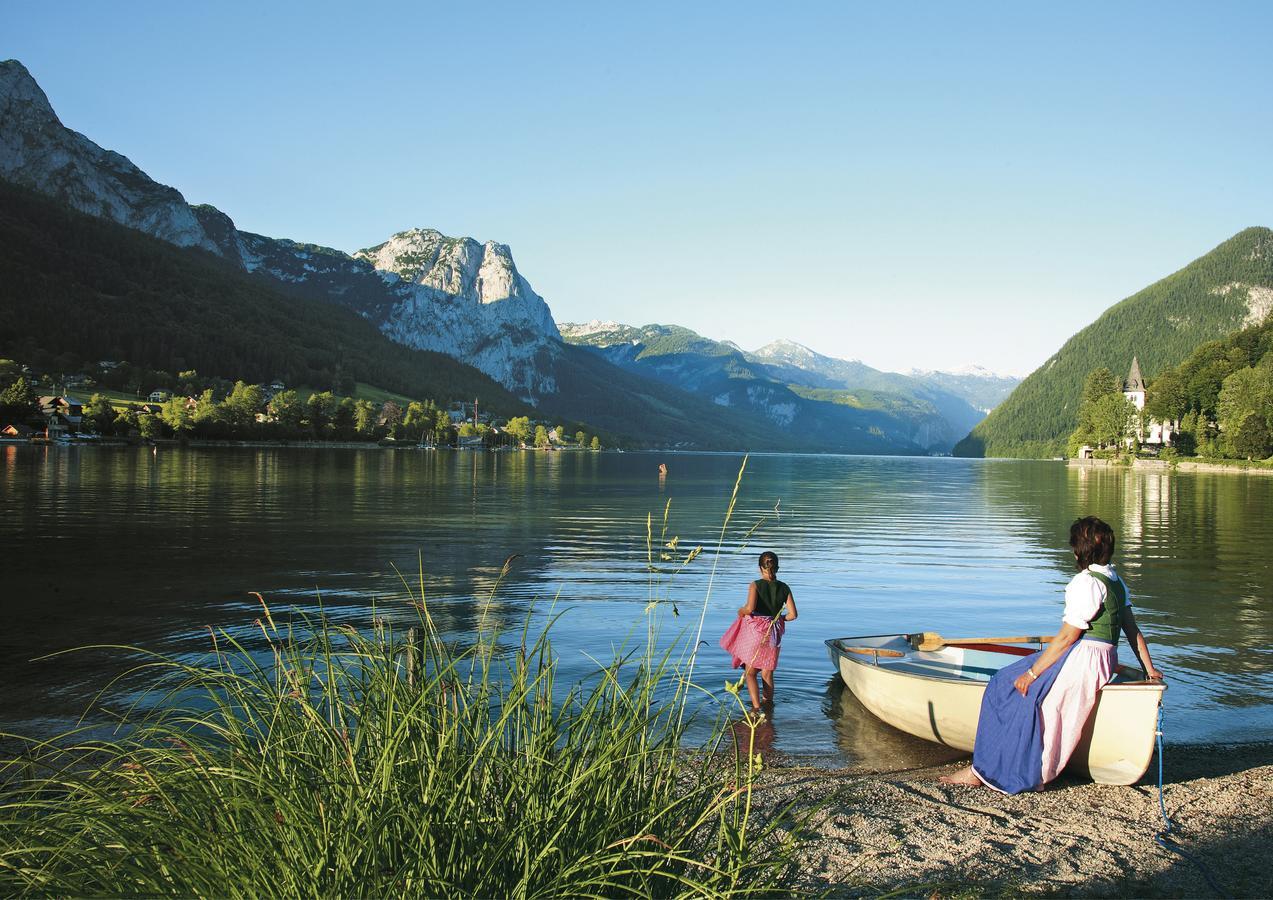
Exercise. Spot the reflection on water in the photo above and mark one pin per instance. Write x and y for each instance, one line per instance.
(868, 745)
(121, 546)
(757, 737)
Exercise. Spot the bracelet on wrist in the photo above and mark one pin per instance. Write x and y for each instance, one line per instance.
(1033, 675)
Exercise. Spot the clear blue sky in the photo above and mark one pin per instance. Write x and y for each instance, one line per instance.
(909, 184)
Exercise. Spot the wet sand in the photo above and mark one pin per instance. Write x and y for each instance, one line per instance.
(907, 833)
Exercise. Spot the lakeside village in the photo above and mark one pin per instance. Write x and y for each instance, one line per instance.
(1192, 410)
(191, 407)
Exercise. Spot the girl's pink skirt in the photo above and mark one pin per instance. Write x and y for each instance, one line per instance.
(753, 641)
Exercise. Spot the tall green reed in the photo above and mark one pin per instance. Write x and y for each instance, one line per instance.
(356, 762)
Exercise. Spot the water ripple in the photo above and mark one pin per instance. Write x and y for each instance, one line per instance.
(121, 546)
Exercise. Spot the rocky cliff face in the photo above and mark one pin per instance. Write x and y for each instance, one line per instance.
(421, 288)
(38, 152)
(467, 299)
(462, 298)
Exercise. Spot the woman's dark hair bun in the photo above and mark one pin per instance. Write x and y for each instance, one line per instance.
(769, 561)
(1093, 542)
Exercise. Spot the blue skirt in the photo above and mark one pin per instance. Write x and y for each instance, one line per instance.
(1008, 752)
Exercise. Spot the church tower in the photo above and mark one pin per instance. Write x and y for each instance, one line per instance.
(1134, 386)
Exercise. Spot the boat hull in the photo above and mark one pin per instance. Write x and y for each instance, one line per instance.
(937, 696)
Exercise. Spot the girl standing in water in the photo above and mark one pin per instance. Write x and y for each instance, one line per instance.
(753, 641)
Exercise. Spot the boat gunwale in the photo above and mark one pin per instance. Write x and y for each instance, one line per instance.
(840, 653)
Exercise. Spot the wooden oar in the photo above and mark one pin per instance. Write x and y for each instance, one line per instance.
(874, 651)
(931, 640)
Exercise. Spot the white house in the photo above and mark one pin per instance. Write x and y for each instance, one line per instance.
(1148, 432)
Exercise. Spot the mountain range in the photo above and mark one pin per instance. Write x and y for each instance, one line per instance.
(831, 403)
(422, 290)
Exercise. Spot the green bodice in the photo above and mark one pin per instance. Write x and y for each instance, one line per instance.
(1107, 623)
(771, 597)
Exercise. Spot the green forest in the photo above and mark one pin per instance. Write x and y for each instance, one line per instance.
(1162, 325)
(1222, 396)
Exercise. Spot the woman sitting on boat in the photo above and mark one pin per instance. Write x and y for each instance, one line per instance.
(1034, 710)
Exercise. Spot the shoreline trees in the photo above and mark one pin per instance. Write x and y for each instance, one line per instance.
(1222, 396)
(214, 409)
(1105, 414)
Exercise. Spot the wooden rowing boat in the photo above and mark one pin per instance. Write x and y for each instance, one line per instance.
(936, 695)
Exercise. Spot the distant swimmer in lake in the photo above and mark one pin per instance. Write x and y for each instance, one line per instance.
(1033, 711)
(753, 641)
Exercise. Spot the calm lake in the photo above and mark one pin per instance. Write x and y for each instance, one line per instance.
(130, 546)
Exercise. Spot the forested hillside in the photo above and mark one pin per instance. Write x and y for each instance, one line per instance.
(1210, 298)
(74, 288)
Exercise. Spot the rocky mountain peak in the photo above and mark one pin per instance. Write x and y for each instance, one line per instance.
(37, 151)
(18, 88)
(459, 267)
(791, 353)
(583, 329)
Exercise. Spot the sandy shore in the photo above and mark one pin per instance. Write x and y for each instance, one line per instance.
(905, 832)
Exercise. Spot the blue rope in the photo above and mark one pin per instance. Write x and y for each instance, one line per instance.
(1163, 838)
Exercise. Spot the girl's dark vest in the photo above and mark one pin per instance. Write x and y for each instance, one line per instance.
(1107, 623)
(771, 597)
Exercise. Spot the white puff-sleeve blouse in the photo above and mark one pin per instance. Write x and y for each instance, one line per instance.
(1085, 595)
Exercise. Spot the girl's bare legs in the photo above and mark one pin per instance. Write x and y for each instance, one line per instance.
(768, 676)
(752, 689)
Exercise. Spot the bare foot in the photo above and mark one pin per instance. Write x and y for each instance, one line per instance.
(964, 776)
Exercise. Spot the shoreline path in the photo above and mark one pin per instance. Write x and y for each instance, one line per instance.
(905, 832)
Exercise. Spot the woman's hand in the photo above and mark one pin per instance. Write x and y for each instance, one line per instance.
(1023, 682)
(1045, 660)
(1152, 674)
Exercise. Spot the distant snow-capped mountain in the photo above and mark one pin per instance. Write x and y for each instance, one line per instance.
(981, 387)
(822, 371)
(971, 371)
(818, 397)
(977, 385)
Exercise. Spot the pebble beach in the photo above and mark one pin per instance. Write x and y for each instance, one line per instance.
(904, 833)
